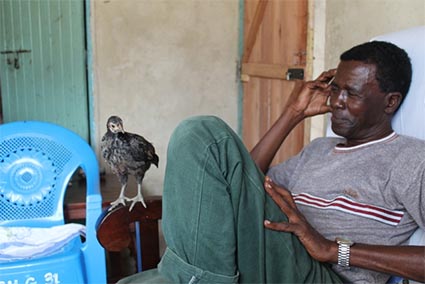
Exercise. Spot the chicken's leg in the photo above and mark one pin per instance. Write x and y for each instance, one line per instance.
(121, 198)
(138, 197)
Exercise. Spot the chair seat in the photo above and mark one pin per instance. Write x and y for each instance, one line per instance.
(21, 243)
(65, 266)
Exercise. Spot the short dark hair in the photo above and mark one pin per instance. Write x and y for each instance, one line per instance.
(393, 67)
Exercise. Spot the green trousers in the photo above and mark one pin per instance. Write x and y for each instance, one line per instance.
(214, 205)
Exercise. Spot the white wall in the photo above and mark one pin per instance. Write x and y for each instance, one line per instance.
(157, 62)
(350, 22)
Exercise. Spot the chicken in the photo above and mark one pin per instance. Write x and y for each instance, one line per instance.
(127, 154)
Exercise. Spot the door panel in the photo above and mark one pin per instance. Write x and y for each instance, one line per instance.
(42, 62)
(275, 39)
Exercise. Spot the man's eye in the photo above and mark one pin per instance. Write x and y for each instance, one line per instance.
(351, 94)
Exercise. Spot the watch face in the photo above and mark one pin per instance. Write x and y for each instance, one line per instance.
(343, 241)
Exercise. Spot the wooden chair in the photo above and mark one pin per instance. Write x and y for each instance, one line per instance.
(136, 230)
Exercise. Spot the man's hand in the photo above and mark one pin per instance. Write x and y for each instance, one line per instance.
(307, 99)
(311, 98)
(406, 261)
(317, 246)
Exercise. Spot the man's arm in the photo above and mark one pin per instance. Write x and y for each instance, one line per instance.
(307, 99)
(405, 261)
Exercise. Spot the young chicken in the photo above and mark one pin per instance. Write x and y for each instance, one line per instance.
(127, 154)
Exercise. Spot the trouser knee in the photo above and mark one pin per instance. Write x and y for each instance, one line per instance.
(197, 127)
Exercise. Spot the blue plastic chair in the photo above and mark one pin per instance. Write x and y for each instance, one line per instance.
(37, 161)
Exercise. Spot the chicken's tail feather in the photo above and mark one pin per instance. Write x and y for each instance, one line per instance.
(155, 160)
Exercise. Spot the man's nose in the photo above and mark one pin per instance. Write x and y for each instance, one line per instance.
(338, 99)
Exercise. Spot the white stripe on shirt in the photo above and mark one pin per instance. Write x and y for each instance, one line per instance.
(386, 138)
(344, 204)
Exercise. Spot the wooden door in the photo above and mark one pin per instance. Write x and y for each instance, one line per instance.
(275, 40)
(43, 63)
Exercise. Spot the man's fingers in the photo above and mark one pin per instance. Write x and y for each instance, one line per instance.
(274, 193)
(278, 226)
(280, 195)
(317, 85)
(272, 186)
(326, 76)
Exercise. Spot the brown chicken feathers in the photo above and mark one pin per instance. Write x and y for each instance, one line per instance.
(127, 154)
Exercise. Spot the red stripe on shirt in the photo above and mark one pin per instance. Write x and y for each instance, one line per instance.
(342, 203)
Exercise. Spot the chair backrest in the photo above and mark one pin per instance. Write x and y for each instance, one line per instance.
(120, 229)
(410, 118)
(37, 162)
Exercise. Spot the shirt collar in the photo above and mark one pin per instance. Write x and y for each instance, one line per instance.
(385, 139)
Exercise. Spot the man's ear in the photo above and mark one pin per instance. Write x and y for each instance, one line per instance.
(393, 101)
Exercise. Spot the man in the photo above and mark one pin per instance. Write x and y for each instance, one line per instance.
(364, 189)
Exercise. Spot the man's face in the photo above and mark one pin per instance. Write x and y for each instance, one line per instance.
(357, 103)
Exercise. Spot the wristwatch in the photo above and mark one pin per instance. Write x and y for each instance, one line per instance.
(344, 251)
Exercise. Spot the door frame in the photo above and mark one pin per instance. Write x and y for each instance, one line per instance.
(90, 76)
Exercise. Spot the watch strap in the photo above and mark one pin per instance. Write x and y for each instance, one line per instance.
(344, 252)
